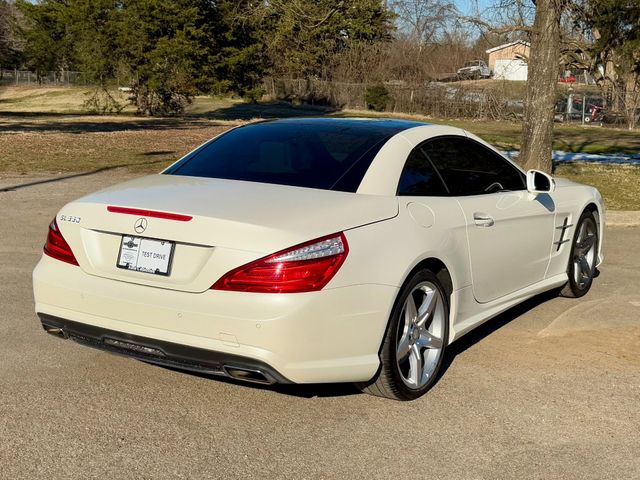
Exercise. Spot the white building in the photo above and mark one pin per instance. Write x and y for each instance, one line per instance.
(509, 61)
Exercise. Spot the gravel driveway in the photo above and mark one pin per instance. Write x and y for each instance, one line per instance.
(550, 389)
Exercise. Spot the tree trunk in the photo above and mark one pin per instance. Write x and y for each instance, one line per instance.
(537, 127)
(631, 98)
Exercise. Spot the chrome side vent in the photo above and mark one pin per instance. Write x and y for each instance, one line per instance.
(563, 228)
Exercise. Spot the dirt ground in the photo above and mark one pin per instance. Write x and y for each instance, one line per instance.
(550, 389)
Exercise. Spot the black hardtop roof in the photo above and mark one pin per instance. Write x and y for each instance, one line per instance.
(388, 126)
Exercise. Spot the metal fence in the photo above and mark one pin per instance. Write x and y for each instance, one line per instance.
(28, 78)
(445, 100)
(442, 100)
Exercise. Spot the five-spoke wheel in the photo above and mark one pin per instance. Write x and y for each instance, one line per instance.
(583, 257)
(419, 335)
(415, 340)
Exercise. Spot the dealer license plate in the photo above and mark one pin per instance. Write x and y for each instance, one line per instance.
(146, 255)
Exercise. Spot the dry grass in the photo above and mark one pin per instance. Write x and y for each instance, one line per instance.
(51, 142)
(76, 144)
(70, 100)
(50, 99)
(506, 134)
(618, 184)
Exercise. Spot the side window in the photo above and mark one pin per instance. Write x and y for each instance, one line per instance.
(419, 178)
(469, 168)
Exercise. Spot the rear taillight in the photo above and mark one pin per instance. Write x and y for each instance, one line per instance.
(307, 267)
(57, 247)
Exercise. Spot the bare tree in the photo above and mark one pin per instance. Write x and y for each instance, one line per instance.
(607, 43)
(424, 21)
(513, 17)
(542, 82)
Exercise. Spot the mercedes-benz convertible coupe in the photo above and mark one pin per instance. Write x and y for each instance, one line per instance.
(315, 250)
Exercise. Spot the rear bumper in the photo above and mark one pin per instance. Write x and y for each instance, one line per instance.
(329, 336)
(163, 353)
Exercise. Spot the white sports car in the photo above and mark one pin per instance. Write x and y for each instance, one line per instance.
(315, 250)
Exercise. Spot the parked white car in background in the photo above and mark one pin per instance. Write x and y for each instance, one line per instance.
(315, 250)
(475, 69)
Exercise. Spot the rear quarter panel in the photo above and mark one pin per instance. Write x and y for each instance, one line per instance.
(386, 252)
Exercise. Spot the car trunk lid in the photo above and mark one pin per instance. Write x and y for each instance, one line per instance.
(229, 223)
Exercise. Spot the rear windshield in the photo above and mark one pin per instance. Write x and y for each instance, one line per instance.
(314, 155)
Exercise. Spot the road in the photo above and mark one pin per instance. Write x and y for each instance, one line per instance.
(550, 389)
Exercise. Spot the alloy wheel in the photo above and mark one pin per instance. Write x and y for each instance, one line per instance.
(420, 335)
(584, 256)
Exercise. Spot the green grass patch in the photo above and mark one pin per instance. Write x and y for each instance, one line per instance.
(618, 184)
(62, 142)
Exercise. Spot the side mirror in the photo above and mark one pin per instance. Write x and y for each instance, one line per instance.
(540, 182)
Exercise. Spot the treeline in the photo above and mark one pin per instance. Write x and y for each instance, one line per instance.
(167, 51)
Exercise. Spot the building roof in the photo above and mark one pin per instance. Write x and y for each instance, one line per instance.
(506, 45)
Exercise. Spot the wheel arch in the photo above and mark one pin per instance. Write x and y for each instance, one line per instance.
(442, 273)
(438, 267)
(595, 211)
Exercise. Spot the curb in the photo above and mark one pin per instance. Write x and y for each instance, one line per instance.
(622, 218)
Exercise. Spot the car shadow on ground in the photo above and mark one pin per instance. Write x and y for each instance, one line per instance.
(347, 389)
(480, 333)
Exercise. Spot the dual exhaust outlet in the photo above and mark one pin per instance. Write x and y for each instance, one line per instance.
(236, 372)
(56, 331)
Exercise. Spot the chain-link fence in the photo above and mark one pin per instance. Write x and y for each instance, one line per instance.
(445, 100)
(28, 78)
(438, 99)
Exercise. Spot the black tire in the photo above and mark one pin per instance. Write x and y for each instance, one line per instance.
(580, 282)
(388, 382)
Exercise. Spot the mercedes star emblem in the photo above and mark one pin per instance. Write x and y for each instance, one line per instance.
(140, 225)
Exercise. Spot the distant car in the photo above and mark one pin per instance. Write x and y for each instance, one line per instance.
(315, 250)
(475, 70)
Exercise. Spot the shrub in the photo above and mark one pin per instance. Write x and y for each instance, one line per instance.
(377, 97)
(101, 102)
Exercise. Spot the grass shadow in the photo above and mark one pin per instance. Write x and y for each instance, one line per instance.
(13, 188)
(80, 123)
(248, 111)
(83, 123)
(596, 140)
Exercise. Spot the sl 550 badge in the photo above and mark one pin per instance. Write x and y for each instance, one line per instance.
(69, 218)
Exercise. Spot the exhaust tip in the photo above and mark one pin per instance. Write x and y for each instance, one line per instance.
(248, 375)
(56, 331)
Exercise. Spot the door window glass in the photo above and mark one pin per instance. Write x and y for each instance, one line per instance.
(469, 168)
(419, 178)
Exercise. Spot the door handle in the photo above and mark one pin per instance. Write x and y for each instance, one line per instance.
(483, 220)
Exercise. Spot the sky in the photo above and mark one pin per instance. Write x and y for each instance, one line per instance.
(469, 7)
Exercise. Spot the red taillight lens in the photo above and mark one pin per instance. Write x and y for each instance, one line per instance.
(307, 267)
(57, 247)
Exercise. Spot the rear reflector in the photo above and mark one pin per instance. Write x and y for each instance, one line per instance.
(57, 247)
(307, 267)
(149, 213)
